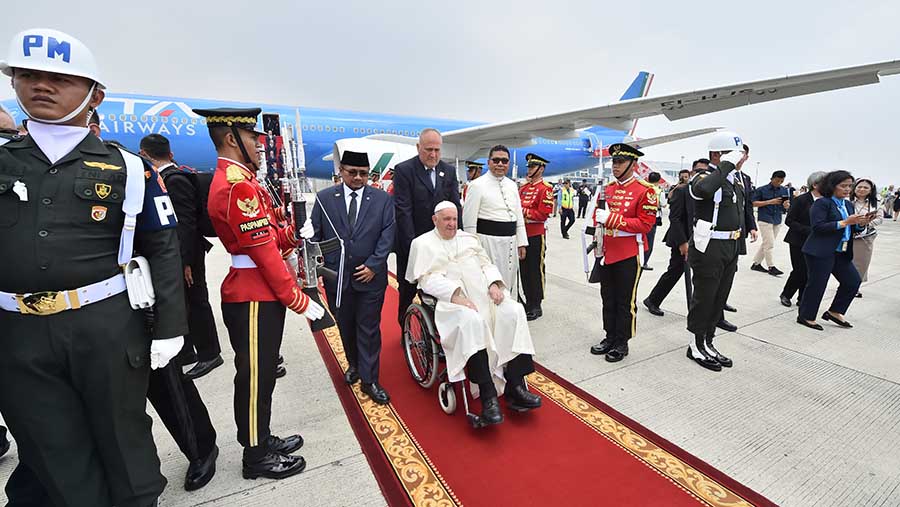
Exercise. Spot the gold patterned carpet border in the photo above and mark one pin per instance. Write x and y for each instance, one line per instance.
(692, 481)
(418, 476)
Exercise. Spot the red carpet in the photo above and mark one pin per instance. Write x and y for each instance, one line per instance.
(575, 450)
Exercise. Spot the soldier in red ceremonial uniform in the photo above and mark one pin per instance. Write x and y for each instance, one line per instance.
(256, 291)
(631, 213)
(537, 204)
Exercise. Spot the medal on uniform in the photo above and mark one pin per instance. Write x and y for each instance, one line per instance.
(98, 213)
(102, 190)
(20, 190)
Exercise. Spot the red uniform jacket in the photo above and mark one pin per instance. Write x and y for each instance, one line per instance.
(632, 208)
(242, 215)
(537, 204)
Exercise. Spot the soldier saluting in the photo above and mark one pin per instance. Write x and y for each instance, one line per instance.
(73, 212)
(717, 241)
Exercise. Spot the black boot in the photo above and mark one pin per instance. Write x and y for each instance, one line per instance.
(617, 353)
(201, 471)
(519, 398)
(701, 356)
(724, 361)
(287, 445)
(603, 347)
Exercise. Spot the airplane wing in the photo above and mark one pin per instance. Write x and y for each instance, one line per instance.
(653, 141)
(619, 115)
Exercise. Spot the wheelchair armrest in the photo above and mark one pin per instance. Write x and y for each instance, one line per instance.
(427, 299)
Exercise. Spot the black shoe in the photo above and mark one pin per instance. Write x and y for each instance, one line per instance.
(729, 308)
(274, 465)
(842, 323)
(758, 267)
(715, 354)
(490, 411)
(565, 236)
(785, 301)
(775, 271)
(815, 326)
(377, 393)
(726, 326)
(201, 471)
(603, 347)
(646, 268)
(653, 308)
(280, 371)
(859, 294)
(705, 361)
(202, 368)
(617, 354)
(287, 445)
(534, 314)
(521, 400)
(351, 376)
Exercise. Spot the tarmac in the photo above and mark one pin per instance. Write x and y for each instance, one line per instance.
(804, 417)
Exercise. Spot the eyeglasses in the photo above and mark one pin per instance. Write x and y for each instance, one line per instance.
(498, 160)
(354, 174)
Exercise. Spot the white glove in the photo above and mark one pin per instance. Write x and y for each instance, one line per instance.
(307, 231)
(162, 351)
(601, 215)
(314, 311)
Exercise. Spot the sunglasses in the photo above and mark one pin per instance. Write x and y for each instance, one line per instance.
(361, 174)
(498, 160)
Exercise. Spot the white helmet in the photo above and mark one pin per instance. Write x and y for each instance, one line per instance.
(725, 140)
(50, 51)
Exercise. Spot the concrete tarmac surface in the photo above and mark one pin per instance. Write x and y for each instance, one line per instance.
(804, 417)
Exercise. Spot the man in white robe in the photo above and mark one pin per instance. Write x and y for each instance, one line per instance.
(493, 212)
(483, 330)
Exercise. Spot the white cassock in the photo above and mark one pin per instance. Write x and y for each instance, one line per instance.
(440, 267)
(493, 199)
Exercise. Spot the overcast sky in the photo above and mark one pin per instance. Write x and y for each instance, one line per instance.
(492, 61)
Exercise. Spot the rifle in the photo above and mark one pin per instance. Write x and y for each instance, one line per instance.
(596, 233)
(311, 254)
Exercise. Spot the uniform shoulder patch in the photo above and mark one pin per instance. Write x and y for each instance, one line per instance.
(234, 174)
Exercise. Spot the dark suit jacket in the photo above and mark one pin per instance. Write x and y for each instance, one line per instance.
(749, 214)
(797, 220)
(187, 209)
(370, 240)
(681, 217)
(825, 237)
(415, 199)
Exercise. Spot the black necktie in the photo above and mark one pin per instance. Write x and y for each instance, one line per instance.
(428, 173)
(351, 215)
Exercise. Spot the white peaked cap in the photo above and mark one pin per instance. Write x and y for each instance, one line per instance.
(443, 205)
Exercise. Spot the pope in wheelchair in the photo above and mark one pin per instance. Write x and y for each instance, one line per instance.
(483, 331)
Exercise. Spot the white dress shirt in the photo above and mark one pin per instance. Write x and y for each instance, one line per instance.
(348, 198)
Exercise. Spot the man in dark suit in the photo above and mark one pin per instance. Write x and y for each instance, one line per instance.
(420, 183)
(797, 221)
(681, 223)
(182, 188)
(364, 218)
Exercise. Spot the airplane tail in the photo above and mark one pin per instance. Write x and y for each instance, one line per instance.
(639, 88)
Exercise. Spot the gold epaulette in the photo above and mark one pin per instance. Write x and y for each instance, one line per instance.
(234, 174)
(545, 183)
(646, 183)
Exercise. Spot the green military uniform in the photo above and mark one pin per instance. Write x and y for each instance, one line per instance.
(75, 382)
(713, 270)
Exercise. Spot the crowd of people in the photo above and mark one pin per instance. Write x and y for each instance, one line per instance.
(114, 302)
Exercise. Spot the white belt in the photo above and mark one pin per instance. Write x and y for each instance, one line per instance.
(50, 302)
(724, 234)
(620, 234)
(242, 262)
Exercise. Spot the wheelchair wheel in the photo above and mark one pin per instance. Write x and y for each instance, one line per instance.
(447, 397)
(420, 348)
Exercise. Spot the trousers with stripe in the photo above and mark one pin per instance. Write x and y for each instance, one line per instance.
(255, 329)
(532, 272)
(618, 291)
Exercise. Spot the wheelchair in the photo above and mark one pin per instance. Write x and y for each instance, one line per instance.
(425, 357)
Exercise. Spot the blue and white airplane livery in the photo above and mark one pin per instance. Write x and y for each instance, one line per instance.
(572, 141)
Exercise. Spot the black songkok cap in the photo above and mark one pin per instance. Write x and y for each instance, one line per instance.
(623, 151)
(355, 158)
(231, 117)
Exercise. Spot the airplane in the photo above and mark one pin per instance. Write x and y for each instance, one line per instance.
(572, 141)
